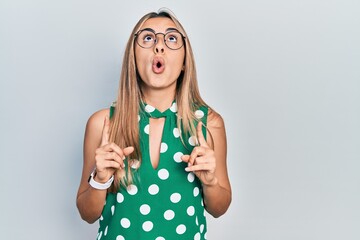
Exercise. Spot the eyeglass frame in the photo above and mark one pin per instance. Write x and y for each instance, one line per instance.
(169, 30)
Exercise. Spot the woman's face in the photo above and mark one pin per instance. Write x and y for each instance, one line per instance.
(159, 66)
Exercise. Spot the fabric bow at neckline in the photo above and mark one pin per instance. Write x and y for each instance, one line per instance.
(152, 112)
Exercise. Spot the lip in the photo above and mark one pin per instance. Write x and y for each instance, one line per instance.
(158, 65)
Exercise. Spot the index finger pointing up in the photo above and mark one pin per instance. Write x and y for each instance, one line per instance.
(105, 132)
(200, 135)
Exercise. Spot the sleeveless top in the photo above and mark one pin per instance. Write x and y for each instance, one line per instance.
(165, 203)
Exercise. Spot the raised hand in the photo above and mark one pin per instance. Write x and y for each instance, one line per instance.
(108, 156)
(202, 160)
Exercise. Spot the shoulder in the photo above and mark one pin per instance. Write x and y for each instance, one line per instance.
(215, 120)
(216, 129)
(96, 120)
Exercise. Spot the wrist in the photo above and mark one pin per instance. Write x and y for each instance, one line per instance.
(213, 183)
(95, 183)
(96, 179)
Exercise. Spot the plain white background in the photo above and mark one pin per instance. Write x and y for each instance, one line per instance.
(285, 75)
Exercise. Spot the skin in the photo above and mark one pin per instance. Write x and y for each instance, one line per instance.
(159, 91)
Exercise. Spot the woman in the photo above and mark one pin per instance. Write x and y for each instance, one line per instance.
(157, 159)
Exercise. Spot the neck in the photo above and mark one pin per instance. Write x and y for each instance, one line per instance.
(160, 99)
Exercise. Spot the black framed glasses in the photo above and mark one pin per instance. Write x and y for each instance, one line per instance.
(147, 38)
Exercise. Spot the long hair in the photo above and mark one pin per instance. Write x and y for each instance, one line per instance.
(124, 126)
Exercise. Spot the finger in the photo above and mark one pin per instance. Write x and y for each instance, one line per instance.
(200, 135)
(114, 152)
(185, 158)
(105, 132)
(128, 150)
(196, 152)
(112, 147)
(111, 164)
(113, 156)
(103, 158)
(191, 160)
(200, 167)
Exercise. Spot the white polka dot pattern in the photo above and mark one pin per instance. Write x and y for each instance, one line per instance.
(176, 132)
(197, 236)
(149, 108)
(153, 189)
(190, 211)
(175, 197)
(145, 209)
(125, 223)
(147, 226)
(147, 129)
(163, 147)
(192, 140)
(132, 189)
(135, 164)
(177, 157)
(201, 228)
(199, 114)
(173, 107)
(165, 196)
(119, 197)
(196, 191)
(169, 214)
(191, 177)
(163, 174)
(181, 229)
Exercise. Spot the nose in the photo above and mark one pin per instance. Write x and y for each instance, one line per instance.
(159, 49)
(159, 45)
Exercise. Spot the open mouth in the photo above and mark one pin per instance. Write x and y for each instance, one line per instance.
(158, 65)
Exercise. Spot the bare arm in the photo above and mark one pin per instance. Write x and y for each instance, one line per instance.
(217, 197)
(208, 162)
(90, 201)
(105, 157)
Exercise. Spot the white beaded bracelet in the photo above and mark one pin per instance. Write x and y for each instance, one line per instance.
(97, 185)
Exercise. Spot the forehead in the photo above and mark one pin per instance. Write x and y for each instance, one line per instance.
(159, 24)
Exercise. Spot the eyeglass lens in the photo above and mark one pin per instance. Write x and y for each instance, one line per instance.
(147, 39)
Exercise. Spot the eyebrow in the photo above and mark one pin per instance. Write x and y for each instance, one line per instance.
(171, 29)
(148, 29)
(167, 30)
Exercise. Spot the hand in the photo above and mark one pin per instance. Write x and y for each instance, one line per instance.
(109, 157)
(202, 160)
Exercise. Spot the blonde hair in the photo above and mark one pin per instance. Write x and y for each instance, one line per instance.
(124, 128)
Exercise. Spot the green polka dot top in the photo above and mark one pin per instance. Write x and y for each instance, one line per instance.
(165, 203)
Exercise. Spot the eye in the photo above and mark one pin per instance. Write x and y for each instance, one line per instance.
(172, 38)
(148, 38)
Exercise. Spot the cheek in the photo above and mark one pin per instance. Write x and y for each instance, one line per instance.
(140, 61)
(178, 61)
